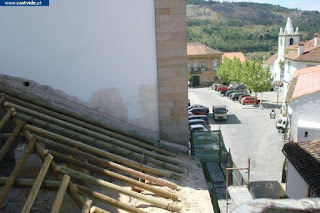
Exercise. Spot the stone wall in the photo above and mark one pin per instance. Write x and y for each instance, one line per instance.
(172, 69)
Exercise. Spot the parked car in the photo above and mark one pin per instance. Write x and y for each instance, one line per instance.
(199, 106)
(240, 87)
(197, 127)
(190, 113)
(203, 117)
(215, 86)
(198, 111)
(235, 96)
(219, 112)
(230, 92)
(281, 125)
(188, 102)
(250, 100)
(242, 96)
(231, 86)
(222, 88)
(199, 121)
(223, 92)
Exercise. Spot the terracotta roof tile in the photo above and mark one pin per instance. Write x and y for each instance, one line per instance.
(232, 55)
(270, 61)
(311, 53)
(304, 82)
(307, 45)
(201, 49)
(305, 157)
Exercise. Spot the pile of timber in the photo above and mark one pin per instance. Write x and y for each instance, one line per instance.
(109, 151)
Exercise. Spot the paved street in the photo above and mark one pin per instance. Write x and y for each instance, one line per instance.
(249, 133)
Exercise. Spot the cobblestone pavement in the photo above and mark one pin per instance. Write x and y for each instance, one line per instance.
(249, 133)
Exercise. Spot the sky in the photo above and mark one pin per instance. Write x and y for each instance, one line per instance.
(301, 4)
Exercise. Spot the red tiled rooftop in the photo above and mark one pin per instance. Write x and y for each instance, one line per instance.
(304, 82)
(231, 55)
(307, 45)
(201, 49)
(312, 55)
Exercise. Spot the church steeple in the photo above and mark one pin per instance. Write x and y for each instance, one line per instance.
(287, 37)
(289, 27)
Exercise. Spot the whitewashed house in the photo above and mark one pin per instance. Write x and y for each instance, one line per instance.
(302, 55)
(303, 150)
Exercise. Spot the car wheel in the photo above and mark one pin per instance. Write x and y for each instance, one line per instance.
(243, 103)
(280, 130)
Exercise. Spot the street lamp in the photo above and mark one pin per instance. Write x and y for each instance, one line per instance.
(273, 114)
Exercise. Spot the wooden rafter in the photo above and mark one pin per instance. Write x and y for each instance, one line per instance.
(94, 141)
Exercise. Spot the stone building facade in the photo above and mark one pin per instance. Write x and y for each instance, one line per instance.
(203, 63)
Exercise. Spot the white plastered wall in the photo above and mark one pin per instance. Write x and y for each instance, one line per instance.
(296, 187)
(308, 131)
(102, 52)
(306, 109)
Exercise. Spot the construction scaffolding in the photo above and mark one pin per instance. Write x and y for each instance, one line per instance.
(65, 141)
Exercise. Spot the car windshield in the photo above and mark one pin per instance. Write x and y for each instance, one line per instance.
(220, 110)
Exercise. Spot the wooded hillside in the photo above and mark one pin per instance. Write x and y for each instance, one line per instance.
(243, 26)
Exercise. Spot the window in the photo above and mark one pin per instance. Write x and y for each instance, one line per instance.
(203, 65)
(291, 41)
(195, 66)
(215, 64)
(280, 41)
(189, 66)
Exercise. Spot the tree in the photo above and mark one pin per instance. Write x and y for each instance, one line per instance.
(190, 79)
(230, 70)
(257, 77)
(224, 70)
(251, 73)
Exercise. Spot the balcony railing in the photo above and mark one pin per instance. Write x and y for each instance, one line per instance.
(197, 69)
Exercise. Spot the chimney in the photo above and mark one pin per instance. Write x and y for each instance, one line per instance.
(316, 39)
(300, 49)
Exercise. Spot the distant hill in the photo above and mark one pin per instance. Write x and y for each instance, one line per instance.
(243, 26)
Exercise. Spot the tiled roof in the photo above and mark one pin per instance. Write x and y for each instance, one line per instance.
(304, 82)
(232, 55)
(305, 157)
(311, 55)
(201, 49)
(271, 60)
(307, 45)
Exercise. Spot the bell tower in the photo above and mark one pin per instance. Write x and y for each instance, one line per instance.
(287, 37)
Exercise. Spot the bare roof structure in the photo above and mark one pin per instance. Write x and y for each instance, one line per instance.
(76, 149)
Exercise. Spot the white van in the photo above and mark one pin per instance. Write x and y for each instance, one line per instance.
(219, 112)
(281, 125)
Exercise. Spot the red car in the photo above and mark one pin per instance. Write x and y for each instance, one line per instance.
(198, 111)
(222, 88)
(250, 100)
